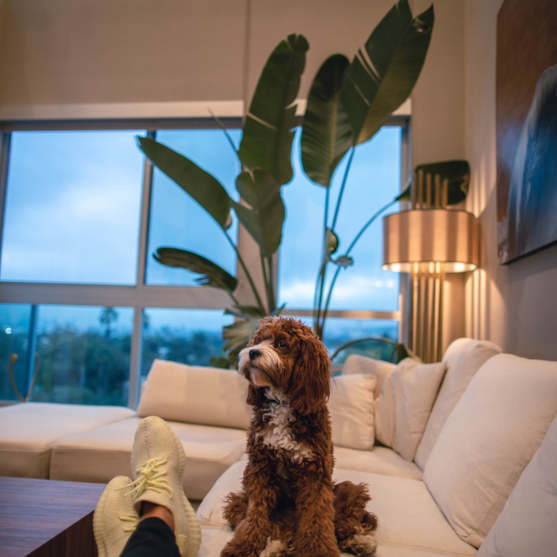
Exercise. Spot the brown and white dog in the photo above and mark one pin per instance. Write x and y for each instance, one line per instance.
(289, 504)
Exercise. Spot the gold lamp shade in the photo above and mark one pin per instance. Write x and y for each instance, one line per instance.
(431, 236)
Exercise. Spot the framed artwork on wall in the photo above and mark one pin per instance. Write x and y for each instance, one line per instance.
(526, 113)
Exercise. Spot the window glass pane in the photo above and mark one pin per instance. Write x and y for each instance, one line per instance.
(72, 207)
(84, 355)
(339, 331)
(373, 181)
(14, 339)
(188, 336)
(177, 220)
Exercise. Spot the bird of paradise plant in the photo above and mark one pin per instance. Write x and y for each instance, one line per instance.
(347, 104)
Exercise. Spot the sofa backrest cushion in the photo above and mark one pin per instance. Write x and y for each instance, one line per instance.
(488, 440)
(534, 497)
(369, 366)
(464, 357)
(402, 410)
(352, 411)
(196, 395)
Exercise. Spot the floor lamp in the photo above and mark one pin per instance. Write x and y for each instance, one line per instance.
(428, 241)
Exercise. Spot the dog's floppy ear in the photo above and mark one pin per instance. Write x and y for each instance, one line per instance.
(310, 382)
(256, 396)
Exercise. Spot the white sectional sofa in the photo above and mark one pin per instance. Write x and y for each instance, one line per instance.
(489, 429)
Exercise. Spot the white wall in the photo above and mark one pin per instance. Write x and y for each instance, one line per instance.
(126, 51)
(515, 305)
(438, 123)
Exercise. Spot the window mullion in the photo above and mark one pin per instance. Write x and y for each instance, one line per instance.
(5, 143)
(135, 347)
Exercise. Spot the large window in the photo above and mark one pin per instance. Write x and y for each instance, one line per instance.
(82, 213)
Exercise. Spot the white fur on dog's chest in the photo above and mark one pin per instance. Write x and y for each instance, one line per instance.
(277, 433)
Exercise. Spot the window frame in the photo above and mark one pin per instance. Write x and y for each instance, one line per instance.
(142, 296)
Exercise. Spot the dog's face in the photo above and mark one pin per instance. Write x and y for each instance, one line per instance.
(286, 355)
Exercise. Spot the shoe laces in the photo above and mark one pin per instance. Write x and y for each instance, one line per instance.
(133, 519)
(150, 476)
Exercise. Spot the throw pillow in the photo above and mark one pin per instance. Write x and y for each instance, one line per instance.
(352, 411)
(402, 410)
(197, 395)
(369, 366)
(464, 357)
(487, 441)
(535, 497)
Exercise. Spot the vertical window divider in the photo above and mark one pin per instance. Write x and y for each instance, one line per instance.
(5, 144)
(137, 332)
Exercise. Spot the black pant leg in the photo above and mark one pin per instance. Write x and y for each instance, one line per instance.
(152, 538)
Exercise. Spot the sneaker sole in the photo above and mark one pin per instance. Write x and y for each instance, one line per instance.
(194, 541)
(98, 529)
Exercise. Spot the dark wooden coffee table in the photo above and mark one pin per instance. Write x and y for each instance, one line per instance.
(45, 518)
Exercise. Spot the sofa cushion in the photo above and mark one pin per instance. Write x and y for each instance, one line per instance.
(408, 517)
(369, 366)
(352, 411)
(213, 542)
(535, 497)
(380, 460)
(30, 430)
(464, 357)
(102, 454)
(488, 440)
(402, 410)
(195, 395)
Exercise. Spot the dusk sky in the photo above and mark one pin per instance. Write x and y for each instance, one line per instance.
(73, 204)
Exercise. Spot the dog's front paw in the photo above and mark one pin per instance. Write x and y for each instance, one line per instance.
(276, 548)
(359, 545)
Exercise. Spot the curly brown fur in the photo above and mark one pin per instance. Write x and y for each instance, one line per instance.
(288, 504)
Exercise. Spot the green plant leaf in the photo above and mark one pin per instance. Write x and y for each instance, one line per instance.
(220, 362)
(331, 245)
(380, 79)
(237, 337)
(269, 124)
(402, 352)
(344, 261)
(199, 184)
(326, 135)
(245, 312)
(211, 273)
(265, 218)
(457, 172)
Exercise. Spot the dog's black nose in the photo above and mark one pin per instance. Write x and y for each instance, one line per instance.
(253, 354)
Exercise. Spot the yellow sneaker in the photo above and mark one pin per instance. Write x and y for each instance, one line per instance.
(115, 518)
(158, 462)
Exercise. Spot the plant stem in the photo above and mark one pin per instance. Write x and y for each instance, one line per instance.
(250, 280)
(354, 242)
(319, 282)
(223, 128)
(272, 301)
(268, 280)
(341, 192)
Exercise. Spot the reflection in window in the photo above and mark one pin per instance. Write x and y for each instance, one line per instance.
(373, 181)
(84, 355)
(177, 220)
(72, 207)
(188, 336)
(15, 320)
(339, 331)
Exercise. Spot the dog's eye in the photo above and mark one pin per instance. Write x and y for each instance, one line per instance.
(282, 345)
